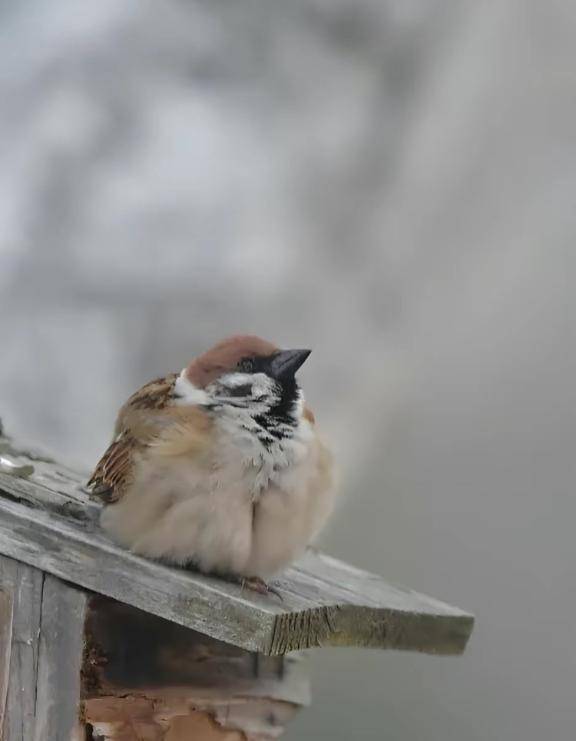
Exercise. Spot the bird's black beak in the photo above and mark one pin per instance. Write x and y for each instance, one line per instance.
(285, 363)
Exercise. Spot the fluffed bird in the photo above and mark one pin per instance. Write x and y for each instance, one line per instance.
(219, 467)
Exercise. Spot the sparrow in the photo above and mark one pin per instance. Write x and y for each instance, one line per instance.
(219, 467)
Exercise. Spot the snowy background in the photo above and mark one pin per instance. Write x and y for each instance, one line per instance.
(392, 183)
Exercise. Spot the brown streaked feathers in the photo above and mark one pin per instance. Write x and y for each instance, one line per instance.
(113, 472)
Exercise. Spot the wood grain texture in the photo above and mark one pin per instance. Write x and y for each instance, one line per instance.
(6, 601)
(26, 585)
(48, 522)
(59, 660)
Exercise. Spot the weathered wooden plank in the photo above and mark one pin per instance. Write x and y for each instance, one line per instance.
(309, 615)
(6, 598)
(37, 480)
(47, 521)
(59, 661)
(25, 584)
(87, 559)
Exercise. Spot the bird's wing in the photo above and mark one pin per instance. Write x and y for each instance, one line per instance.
(138, 425)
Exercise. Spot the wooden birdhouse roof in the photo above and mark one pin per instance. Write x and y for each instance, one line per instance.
(48, 521)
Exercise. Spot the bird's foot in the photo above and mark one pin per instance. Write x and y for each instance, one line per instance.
(256, 584)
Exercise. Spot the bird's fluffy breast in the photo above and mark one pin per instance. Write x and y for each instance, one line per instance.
(200, 508)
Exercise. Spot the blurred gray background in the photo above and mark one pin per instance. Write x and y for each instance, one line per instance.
(392, 183)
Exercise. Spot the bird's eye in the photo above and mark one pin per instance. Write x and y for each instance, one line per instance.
(246, 365)
(245, 389)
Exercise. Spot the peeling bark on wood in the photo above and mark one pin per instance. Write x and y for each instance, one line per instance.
(144, 677)
(134, 721)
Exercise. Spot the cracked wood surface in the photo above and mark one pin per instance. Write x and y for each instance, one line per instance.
(24, 584)
(184, 684)
(42, 692)
(48, 521)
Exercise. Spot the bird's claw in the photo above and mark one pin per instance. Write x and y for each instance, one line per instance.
(256, 584)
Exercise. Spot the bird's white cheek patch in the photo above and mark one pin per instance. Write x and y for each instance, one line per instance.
(186, 394)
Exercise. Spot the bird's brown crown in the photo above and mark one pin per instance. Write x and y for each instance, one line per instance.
(225, 356)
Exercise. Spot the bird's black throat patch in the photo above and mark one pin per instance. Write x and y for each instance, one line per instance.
(280, 420)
